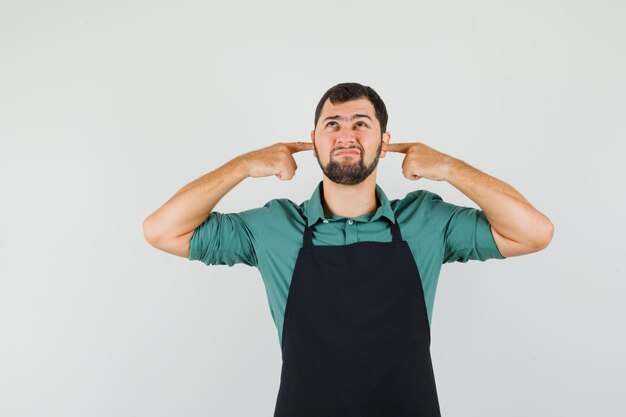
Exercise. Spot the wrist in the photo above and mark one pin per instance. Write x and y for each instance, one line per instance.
(240, 167)
(451, 168)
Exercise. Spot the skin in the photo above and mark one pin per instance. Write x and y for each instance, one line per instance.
(517, 227)
(363, 134)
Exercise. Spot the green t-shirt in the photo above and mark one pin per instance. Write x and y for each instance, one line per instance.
(270, 238)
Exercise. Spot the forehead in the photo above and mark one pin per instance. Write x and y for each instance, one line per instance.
(361, 105)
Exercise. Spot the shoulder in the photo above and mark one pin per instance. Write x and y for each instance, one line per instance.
(425, 209)
(284, 207)
(284, 204)
(414, 213)
(282, 230)
(283, 214)
(415, 201)
(271, 207)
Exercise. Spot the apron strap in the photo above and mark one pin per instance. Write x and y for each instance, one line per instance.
(307, 239)
(395, 232)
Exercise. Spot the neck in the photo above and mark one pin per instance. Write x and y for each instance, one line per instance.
(349, 200)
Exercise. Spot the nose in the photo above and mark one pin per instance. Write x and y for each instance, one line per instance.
(345, 137)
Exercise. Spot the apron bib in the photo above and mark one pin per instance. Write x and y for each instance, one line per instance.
(356, 337)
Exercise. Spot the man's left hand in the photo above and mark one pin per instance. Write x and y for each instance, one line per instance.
(422, 161)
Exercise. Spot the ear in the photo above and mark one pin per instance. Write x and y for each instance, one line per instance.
(386, 138)
(313, 140)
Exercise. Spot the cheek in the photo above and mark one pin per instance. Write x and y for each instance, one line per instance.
(323, 145)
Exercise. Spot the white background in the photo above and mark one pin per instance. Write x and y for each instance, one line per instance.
(108, 108)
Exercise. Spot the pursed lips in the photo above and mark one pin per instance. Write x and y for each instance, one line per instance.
(347, 151)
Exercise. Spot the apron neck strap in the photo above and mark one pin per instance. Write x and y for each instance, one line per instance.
(307, 239)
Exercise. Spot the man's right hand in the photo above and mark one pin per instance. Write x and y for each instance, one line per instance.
(276, 159)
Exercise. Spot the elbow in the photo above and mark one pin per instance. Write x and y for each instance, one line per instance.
(545, 237)
(149, 232)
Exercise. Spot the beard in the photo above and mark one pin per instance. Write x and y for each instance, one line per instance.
(350, 172)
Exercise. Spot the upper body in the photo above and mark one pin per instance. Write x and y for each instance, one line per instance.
(270, 237)
(348, 140)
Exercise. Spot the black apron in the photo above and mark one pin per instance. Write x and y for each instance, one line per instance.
(356, 337)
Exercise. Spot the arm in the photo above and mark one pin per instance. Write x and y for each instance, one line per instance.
(517, 227)
(171, 227)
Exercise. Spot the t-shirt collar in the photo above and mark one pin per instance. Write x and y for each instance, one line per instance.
(314, 211)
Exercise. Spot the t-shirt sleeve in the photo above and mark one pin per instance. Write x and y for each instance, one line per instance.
(465, 232)
(230, 238)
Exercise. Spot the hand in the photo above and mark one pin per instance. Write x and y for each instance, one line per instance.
(276, 159)
(422, 161)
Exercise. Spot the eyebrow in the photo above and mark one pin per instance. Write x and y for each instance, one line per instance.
(354, 116)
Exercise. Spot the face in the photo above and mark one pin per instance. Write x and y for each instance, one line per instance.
(347, 141)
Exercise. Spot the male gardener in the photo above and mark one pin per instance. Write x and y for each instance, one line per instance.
(350, 275)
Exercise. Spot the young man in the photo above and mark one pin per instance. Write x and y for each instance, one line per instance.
(350, 304)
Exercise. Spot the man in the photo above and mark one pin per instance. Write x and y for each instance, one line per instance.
(350, 275)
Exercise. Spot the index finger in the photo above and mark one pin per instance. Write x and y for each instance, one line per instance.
(396, 147)
(299, 146)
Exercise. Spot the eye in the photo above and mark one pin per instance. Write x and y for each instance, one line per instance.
(357, 123)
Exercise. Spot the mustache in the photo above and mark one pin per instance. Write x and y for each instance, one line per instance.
(348, 147)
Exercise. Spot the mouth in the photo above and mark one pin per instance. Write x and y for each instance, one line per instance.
(351, 151)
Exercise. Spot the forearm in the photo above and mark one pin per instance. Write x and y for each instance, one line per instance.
(508, 212)
(193, 203)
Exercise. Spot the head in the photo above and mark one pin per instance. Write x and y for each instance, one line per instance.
(350, 123)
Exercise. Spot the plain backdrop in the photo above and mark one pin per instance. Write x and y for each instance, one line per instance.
(107, 108)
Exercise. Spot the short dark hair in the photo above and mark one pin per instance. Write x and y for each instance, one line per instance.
(343, 92)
